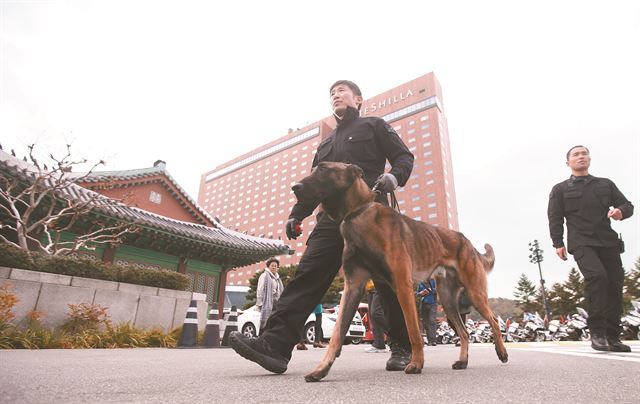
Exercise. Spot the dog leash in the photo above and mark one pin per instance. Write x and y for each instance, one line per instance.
(394, 201)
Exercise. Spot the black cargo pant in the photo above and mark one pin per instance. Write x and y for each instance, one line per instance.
(317, 269)
(604, 278)
(377, 319)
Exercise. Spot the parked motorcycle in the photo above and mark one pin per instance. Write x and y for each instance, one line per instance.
(631, 322)
(558, 331)
(577, 326)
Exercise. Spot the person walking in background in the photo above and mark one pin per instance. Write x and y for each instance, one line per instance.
(317, 340)
(368, 142)
(377, 321)
(428, 307)
(589, 204)
(317, 343)
(268, 291)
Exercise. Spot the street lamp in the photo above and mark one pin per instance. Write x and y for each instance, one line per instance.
(536, 258)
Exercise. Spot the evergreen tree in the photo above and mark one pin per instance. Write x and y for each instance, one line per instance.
(525, 295)
(286, 274)
(631, 287)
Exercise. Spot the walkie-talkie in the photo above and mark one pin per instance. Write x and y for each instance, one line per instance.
(620, 243)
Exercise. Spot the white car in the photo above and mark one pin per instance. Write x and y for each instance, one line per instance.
(249, 325)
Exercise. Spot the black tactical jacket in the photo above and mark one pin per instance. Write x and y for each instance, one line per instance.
(585, 202)
(366, 142)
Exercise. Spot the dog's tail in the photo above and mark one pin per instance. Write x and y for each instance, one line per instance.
(488, 258)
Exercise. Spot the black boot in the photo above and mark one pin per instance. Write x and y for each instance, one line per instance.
(616, 346)
(258, 351)
(599, 342)
(400, 357)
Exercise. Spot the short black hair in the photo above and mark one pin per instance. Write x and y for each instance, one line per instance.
(353, 86)
(579, 145)
(273, 259)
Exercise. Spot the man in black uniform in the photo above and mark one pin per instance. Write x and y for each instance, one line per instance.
(588, 203)
(367, 142)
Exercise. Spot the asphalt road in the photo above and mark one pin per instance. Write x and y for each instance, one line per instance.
(541, 372)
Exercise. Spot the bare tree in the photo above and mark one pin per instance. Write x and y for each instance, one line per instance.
(40, 203)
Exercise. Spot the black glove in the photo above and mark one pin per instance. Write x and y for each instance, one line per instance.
(387, 182)
(293, 228)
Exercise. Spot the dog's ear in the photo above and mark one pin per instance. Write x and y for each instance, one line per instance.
(355, 171)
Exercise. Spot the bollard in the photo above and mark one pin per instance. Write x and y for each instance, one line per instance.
(212, 330)
(189, 335)
(232, 325)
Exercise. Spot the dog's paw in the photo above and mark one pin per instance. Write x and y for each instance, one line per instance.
(459, 365)
(313, 377)
(412, 369)
(504, 357)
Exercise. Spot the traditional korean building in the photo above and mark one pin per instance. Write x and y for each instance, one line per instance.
(173, 232)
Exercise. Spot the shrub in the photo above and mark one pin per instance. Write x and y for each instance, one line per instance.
(13, 257)
(85, 316)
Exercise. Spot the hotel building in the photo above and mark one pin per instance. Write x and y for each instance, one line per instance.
(252, 193)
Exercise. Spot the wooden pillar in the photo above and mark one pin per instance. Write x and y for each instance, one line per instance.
(222, 281)
(182, 265)
(109, 254)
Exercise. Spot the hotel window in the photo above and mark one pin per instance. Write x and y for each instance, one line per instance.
(426, 134)
(433, 215)
(397, 127)
(415, 208)
(428, 163)
(411, 131)
(412, 148)
(417, 218)
(412, 122)
(425, 126)
(429, 182)
(431, 205)
(426, 154)
(426, 144)
(401, 202)
(414, 186)
(424, 118)
(415, 199)
(413, 139)
(431, 195)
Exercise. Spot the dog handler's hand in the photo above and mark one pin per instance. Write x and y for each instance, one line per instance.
(387, 182)
(562, 253)
(293, 228)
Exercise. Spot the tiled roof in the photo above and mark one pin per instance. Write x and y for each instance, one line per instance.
(220, 237)
(140, 173)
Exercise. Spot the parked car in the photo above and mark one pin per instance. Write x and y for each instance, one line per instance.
(249, 325)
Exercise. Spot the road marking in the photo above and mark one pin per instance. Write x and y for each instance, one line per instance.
(633, 356)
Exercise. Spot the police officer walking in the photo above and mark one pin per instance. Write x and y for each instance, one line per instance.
(367, 142)
(588, 203)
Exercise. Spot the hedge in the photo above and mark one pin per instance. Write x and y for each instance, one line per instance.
(13, 257)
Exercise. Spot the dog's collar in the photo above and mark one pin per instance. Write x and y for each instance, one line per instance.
(357, 212)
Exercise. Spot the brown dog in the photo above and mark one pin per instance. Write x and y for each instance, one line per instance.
(389, 247)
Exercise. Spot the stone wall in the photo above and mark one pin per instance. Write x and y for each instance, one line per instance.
(142, 306)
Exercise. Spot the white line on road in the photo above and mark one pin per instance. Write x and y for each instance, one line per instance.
(620, 356)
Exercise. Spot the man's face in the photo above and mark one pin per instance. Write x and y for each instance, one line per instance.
(341, 97)
(579, 159)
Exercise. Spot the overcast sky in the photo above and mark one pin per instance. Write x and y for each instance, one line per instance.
(198, 83)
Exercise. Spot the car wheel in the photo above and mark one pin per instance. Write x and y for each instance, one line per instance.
(356, 340)
(310, 333)
(249, 330)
